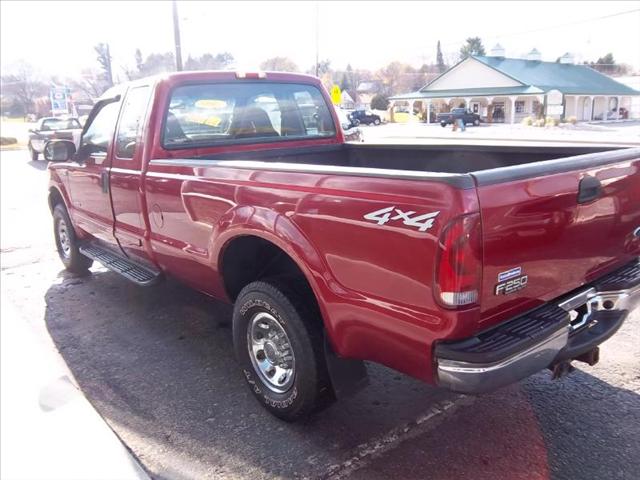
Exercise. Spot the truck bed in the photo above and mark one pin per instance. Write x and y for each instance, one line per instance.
(417, 158)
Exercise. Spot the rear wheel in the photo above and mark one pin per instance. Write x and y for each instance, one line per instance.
(443, 124)
(67, 242)
(476, 122)
(376, 121)
(278, 340)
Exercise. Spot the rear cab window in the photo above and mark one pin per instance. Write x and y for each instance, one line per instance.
(235, 113)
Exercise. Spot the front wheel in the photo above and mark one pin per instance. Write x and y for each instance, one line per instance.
(443, 124)
(67, 243)
(278, 340)
(376, 121)
(34, 153)
(476, 122)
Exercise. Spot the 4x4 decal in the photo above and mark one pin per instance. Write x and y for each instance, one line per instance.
(424, 221)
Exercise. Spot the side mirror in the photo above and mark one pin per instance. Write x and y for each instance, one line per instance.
(59, 150)
(33, 130)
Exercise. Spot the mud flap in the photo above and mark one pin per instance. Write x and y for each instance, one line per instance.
(348, 376)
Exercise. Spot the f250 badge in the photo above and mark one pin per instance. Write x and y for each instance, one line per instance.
(511, 281)
(423, 222)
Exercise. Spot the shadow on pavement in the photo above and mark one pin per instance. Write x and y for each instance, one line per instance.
(590, 427)
(158, 364)
(38, 165)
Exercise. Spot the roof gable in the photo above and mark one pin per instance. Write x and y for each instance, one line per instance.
(568, 78)
(470, 73)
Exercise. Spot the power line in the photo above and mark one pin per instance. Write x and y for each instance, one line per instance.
(544, 29)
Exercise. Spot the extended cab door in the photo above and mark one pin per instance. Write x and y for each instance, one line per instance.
(89, 172)
(126, 172)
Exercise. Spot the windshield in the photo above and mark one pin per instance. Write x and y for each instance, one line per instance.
(60, 124)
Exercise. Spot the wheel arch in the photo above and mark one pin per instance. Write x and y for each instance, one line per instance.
(236, 246)
(55, 197)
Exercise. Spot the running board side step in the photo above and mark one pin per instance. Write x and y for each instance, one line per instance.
(133, 271)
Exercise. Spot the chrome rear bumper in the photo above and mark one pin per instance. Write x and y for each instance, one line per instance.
(590, 317)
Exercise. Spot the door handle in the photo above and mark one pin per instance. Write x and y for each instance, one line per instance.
(104, 181)
(589, 189)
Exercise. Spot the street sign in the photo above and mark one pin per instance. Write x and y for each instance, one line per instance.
(336, 95)
(59, 97)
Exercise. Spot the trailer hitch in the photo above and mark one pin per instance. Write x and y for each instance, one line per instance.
(564, 367)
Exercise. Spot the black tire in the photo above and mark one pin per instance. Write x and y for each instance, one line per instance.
(376, 121)
(34, 154)
(67, 243)
(443, 124)
(476, 122)
(297, 314)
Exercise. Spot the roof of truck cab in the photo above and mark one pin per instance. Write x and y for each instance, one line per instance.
(209, 75)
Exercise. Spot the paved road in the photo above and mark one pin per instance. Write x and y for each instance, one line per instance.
(158, 365)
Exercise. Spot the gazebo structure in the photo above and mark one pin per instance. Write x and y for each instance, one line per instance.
(506, 90)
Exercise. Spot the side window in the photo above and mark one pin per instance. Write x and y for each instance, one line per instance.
(100, 131)
(133, 112)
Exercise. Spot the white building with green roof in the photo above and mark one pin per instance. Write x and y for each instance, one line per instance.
(507, 90)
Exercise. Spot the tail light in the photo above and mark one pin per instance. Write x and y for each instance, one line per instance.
(459, 263)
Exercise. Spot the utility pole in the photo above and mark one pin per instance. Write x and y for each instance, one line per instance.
(317, 38)
(107, 67)
(176, 36)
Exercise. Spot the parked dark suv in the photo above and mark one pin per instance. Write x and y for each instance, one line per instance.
(467, 116)
(366, 117)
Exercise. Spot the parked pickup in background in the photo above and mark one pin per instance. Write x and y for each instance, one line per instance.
(469, 118)
(50, 128)
(466, 267)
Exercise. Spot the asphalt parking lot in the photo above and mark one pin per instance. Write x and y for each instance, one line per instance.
(158, 365)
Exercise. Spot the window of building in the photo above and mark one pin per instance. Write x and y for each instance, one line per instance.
(215, 114)
(520, 106)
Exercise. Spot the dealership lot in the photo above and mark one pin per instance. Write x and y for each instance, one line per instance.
(158, 365)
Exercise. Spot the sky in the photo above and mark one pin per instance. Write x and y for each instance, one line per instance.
(58, 37)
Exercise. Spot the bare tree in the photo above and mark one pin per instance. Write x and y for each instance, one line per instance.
(24, 87)
(104, 59)
(279, 64)
(208, 61)
(92, 84)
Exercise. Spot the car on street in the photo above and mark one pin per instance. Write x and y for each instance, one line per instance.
(467, 267)
(349, 126)
(49, 128)
(366, 117)
(467, 116)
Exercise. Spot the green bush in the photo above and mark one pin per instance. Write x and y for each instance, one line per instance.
(379, 102)
(528, 121)
(8, 141)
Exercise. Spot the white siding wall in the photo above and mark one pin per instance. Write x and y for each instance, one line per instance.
(633, 104)
(472, 74)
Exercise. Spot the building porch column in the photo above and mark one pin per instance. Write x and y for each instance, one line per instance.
(512, 114)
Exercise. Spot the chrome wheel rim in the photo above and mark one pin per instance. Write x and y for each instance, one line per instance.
(270, 352)
(63, 238)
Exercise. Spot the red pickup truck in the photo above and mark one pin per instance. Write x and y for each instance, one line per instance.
(469, 267)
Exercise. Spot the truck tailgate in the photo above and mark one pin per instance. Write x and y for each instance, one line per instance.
(541, 241)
